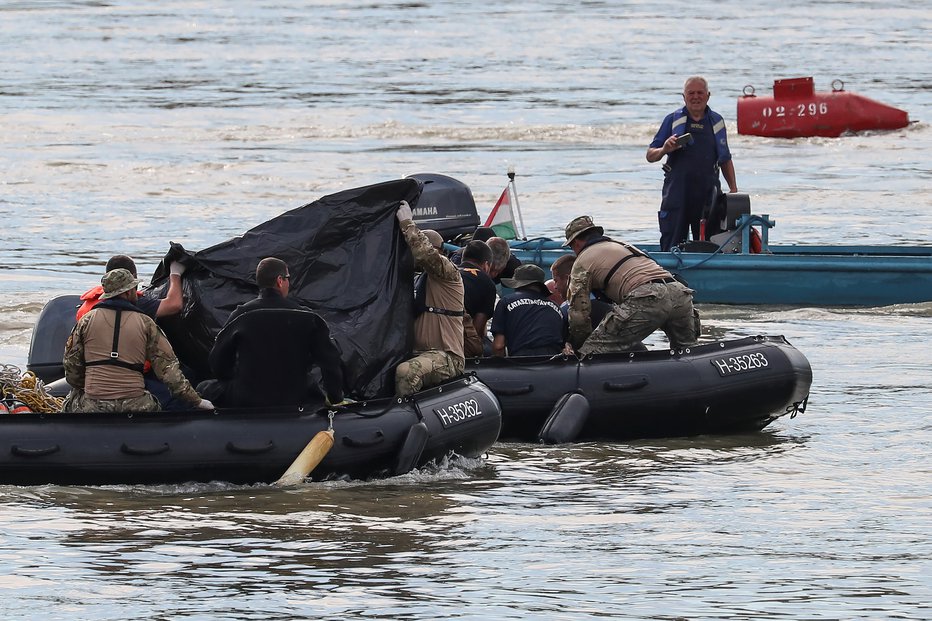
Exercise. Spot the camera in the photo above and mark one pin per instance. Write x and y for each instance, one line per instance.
(684, 140)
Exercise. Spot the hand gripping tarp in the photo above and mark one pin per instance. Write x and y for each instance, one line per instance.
(349, 263)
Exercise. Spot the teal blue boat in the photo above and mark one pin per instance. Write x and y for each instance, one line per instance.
(790, 275)
(737, 265)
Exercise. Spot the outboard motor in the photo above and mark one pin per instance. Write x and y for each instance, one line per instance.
(446, 205)
(733, 207)
(49, 336)
(720, 222)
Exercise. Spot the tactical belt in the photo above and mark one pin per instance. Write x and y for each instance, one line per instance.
(443, 311)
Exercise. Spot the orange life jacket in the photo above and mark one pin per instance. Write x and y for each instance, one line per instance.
(89, 300)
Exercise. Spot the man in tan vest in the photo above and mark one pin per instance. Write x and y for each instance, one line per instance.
(645, 295)
(438, 330)
(105, 354)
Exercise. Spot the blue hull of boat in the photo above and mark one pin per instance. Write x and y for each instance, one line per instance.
(791, 275)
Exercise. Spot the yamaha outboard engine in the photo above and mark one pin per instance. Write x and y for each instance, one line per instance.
(445, 205)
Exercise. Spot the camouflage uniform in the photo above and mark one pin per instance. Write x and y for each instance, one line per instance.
(646, 296)
(438, 337)
(157, 350)
(77, 401)
(650, 306)
(426, 369)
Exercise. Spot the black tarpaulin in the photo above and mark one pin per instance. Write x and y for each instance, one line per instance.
(348, 262)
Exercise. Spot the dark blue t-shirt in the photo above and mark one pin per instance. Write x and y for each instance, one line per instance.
(529, 321)
(478, 290)
(148, 305)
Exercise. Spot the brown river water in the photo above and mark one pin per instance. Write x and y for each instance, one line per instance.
(128, 125)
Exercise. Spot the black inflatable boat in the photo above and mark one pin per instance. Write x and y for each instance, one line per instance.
(723, 387)
(380, 437)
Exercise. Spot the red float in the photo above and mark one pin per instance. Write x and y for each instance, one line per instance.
(796, 110)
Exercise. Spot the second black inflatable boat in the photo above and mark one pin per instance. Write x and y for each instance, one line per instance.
(722, 387)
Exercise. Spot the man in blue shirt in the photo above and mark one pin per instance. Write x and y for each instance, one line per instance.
(527, 322)
(696, 145)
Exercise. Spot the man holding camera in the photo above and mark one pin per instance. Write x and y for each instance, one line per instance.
(696, 145)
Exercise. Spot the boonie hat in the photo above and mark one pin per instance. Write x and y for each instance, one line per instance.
(527, 274)
(578, 226)
(116, 282)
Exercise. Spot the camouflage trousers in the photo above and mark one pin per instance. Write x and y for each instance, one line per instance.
(428, 368)
(78, 401)
(667, 306)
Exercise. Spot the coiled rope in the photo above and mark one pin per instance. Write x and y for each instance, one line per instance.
(28, 389)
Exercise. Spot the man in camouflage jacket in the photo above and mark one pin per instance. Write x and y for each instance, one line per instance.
(645, 296)
(107, 349)
(438, 331)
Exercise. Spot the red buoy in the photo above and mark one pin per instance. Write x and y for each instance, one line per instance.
(796, 110)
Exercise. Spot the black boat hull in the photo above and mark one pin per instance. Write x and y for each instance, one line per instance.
(242, 446)
(722, 387)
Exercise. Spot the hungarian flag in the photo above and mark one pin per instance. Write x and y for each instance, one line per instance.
(502, 219)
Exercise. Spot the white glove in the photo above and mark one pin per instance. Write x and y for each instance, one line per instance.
(205, 405)
(176, 268)
(404, 212)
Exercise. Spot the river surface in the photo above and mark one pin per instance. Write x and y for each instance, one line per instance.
(126, 125)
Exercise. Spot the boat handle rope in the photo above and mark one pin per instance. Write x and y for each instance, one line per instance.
(377, 438)
(144, 451)
(34, 452)
(383, 412)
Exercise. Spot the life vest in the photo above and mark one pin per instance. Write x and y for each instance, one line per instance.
(681, 117)
(472, 342)
(598, 289)
(114, 358)
(89, 300)
(420, 300)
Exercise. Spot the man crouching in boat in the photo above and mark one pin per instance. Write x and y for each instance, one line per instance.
(105, 354)
(645, 295)
(438, 330)
(264, 354)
